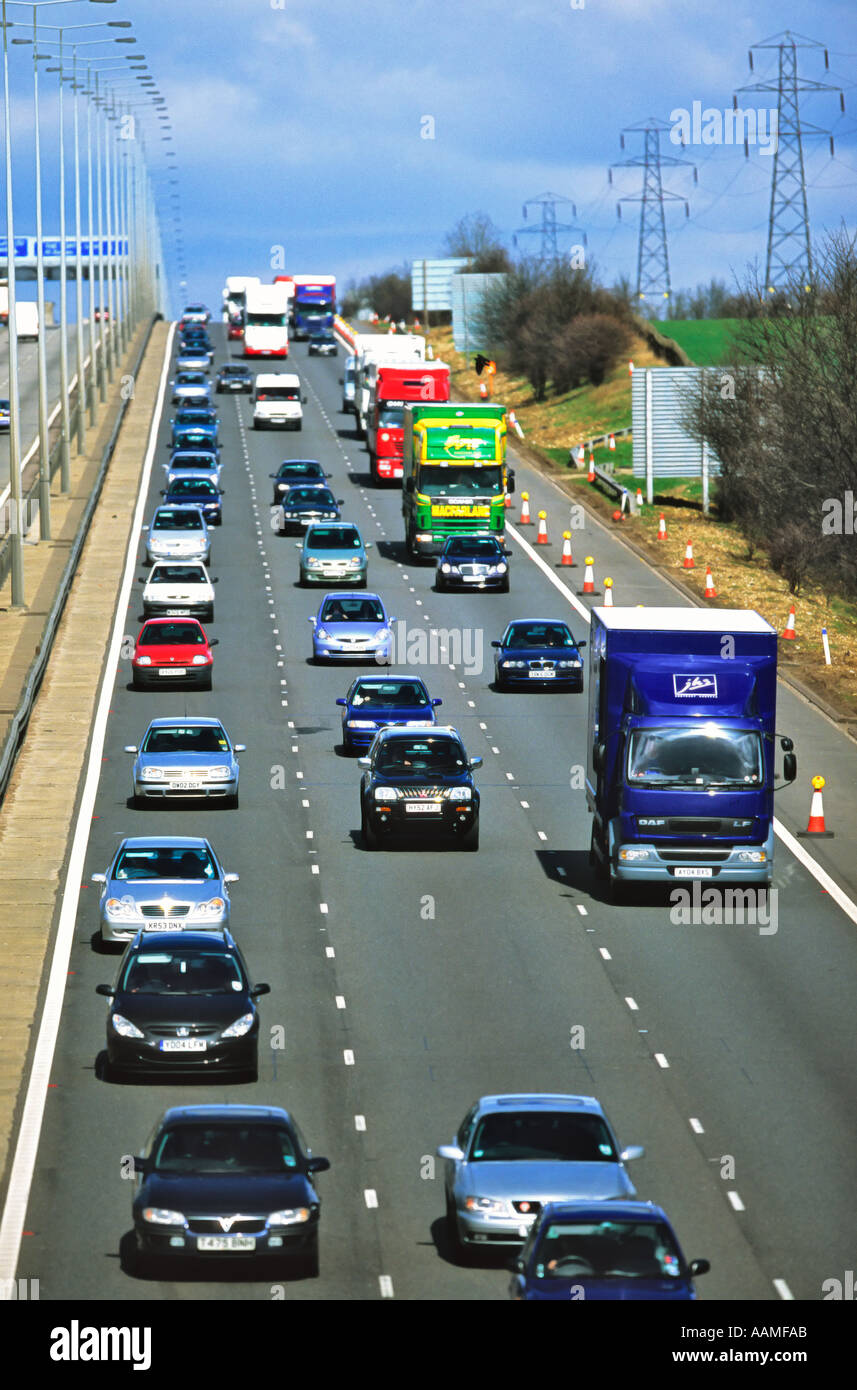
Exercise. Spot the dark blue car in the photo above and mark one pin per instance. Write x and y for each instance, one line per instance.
(603, 1251)
(375, 702)
(196, 490)
(200, 434)
(538, 652)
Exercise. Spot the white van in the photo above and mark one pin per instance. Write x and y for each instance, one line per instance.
(27, 320)
(277, 400)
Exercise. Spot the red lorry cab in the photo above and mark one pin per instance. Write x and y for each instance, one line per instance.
(394, 386)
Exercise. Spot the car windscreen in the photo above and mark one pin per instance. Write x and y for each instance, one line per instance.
(182, 972)
(538, 635)
(182, 519)
(279, 393)
(542, 1135)
(608, 1250)
(389, 695)
(352, 610)
(426, 755)
(193, 487)
(196, 416)
(171, 635)
(191, 379)
(177, 574)
(225, 1148)
(467, 547)
(300, 470)
(136, 865)
(202, 463)
(309, 497)
(708, 755)
(242, 372)
(326, 538)
(186, 738)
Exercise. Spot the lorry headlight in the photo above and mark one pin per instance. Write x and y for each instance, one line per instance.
(752, 856)
(630, 856)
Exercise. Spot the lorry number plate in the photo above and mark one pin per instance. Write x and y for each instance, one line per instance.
(694, 873)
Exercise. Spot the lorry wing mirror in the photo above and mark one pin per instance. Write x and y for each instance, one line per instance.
(581, 644)
(787, 745)
(598, 755)
(510, 482)
(790, 767)
(409, 485)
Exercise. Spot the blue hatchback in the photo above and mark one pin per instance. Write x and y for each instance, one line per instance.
(375, 702)
(352, 626)
(600, 1251)
(538, 652)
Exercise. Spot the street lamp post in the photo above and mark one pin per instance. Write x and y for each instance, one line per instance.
(17, 538)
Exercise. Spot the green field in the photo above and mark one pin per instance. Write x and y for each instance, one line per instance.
(706, 341)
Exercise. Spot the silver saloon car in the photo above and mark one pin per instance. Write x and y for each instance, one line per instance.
(513, 1154)
(191, 757)
(162, 883)
(178, 533)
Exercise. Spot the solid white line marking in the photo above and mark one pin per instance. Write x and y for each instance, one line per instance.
(696, 1125)
(735, 1200)
(783, 1290)
(21, 1177)
(632, 1003)
(661, 1060)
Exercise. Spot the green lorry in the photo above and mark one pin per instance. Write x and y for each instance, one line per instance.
(454, 476)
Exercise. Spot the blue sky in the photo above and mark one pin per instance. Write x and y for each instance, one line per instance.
(298, 124)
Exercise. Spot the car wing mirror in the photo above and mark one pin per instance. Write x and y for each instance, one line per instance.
(106, 990)
(476, 762)
(98, 878)
(364, 762)
(699, 1267)
(581, 644)
(341, 700)
(230, 878)
(633, 1151)
(437, 701)
(318, 1165)
(239, 747)
(131, 748)
(497, 644)
(258, 990)
(450, 1151)
(214, 641)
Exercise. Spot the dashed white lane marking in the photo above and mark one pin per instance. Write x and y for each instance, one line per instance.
(370, 1197)
(582, 910)
(340, 1001)
(494, 749)
(322, 907)
(526, 805)
(461, 684)
(604, 953)
(735, 1200)
(360, 1123)
(661, 1060)
(483, 726)
(310, 834)
(348, 1057)
(385, 1284)
(632, 1003)
(304, 802)
(541, 834)
(329, 952)
(696, 1125)
(510, 776)
(783, 1290)
(315, 869)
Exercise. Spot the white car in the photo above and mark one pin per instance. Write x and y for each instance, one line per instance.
(178, 533)
(178, 589)
(277, 400)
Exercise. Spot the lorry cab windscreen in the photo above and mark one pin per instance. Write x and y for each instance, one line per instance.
(460, 481)
(709, 755)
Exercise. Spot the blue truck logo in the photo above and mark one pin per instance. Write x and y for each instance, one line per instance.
(698, 687)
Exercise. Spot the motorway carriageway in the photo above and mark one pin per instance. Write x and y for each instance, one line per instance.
(409, 982)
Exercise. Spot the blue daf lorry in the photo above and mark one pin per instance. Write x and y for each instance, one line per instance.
(681, 746)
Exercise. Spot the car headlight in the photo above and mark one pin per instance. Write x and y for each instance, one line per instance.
(118, 907)
(461, 794)
(509, 664)
(362, 724)
(212, 908)
(569, 663)
(501, 568)
(355, 562)
(629, 856)
(219, 772)
(382, 634)
(162, 1216)
(200, 661)
(323, 634)
(386, 793)
(124, 1027)
(446, 569)
(153, 774)
(292, 1216)
(241, 1026)
(496, 1205)
(143, 660)
(314, 564)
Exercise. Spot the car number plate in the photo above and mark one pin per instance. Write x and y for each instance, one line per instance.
(177, 612)
(415, 807)
(694, 873)
(186, 786)
(542, 675)
(226, 1243)
(172, 670)
(182, 1045)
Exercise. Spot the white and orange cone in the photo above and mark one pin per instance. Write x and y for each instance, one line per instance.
(662, 528)
(589, 576)
(640, 498)
(566, 549)
(611, 441)
(688, 561)
(710, 591)
(608, 594)
(789, 631)
(526, 519)
(590, 477)
(816, 813)
(542, 536)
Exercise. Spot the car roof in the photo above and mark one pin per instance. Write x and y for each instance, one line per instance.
(278, 379)
(165, 842)
(535, 1102)
(228, 1114)
(165, 721)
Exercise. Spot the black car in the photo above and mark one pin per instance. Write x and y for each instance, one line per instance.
(183, 1002)
(231, 1183)
(419, 779)
(473, 562)
(190, 414)
(322, 343)
(234, 378)
(538, 652)
(296, 471)
(303, 503)
(197, 490)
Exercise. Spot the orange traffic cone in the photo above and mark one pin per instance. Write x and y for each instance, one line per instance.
(566, 549)
(662, 528)
(590, 477)
(507, 501)
(640, 498)
(526, 519)
(710, 591)
(611, 441)
(542, 536)
(688, 563)
(589, 577)
(816, 813)
(789, 632)
(608, 593)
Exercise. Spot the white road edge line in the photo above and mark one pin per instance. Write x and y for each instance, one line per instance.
(29, 1133)
(839, 896)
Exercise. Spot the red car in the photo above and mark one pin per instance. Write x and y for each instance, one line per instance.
(173, 651)
(236, 327)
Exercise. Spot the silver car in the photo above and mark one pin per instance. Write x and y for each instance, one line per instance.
(163, 883)
(185, 758)
(178, 533)
(514, 1153)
